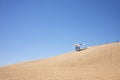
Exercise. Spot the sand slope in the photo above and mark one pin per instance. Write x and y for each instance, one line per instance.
(95, 63)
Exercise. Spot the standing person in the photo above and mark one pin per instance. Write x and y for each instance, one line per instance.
(117, 41)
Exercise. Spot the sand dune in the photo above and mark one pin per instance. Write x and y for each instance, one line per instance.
(95, 63)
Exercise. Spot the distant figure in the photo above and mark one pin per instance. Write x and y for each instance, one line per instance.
(77, 47)
(106, 43)
(117, 41)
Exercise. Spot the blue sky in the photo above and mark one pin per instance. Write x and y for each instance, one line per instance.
(35, 29)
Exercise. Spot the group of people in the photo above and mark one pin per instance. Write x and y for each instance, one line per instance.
(78, 46)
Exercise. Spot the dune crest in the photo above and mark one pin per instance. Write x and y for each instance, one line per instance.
(95, 63)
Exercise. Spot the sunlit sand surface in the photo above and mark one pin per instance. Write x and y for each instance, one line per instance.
(95, 63)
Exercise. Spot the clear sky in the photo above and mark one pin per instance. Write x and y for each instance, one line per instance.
(35, 29)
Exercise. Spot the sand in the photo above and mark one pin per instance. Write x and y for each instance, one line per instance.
(95, 63)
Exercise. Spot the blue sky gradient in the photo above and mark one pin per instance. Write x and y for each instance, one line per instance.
(35, 29)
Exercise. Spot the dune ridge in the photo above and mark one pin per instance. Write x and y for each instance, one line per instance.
(95, 63)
